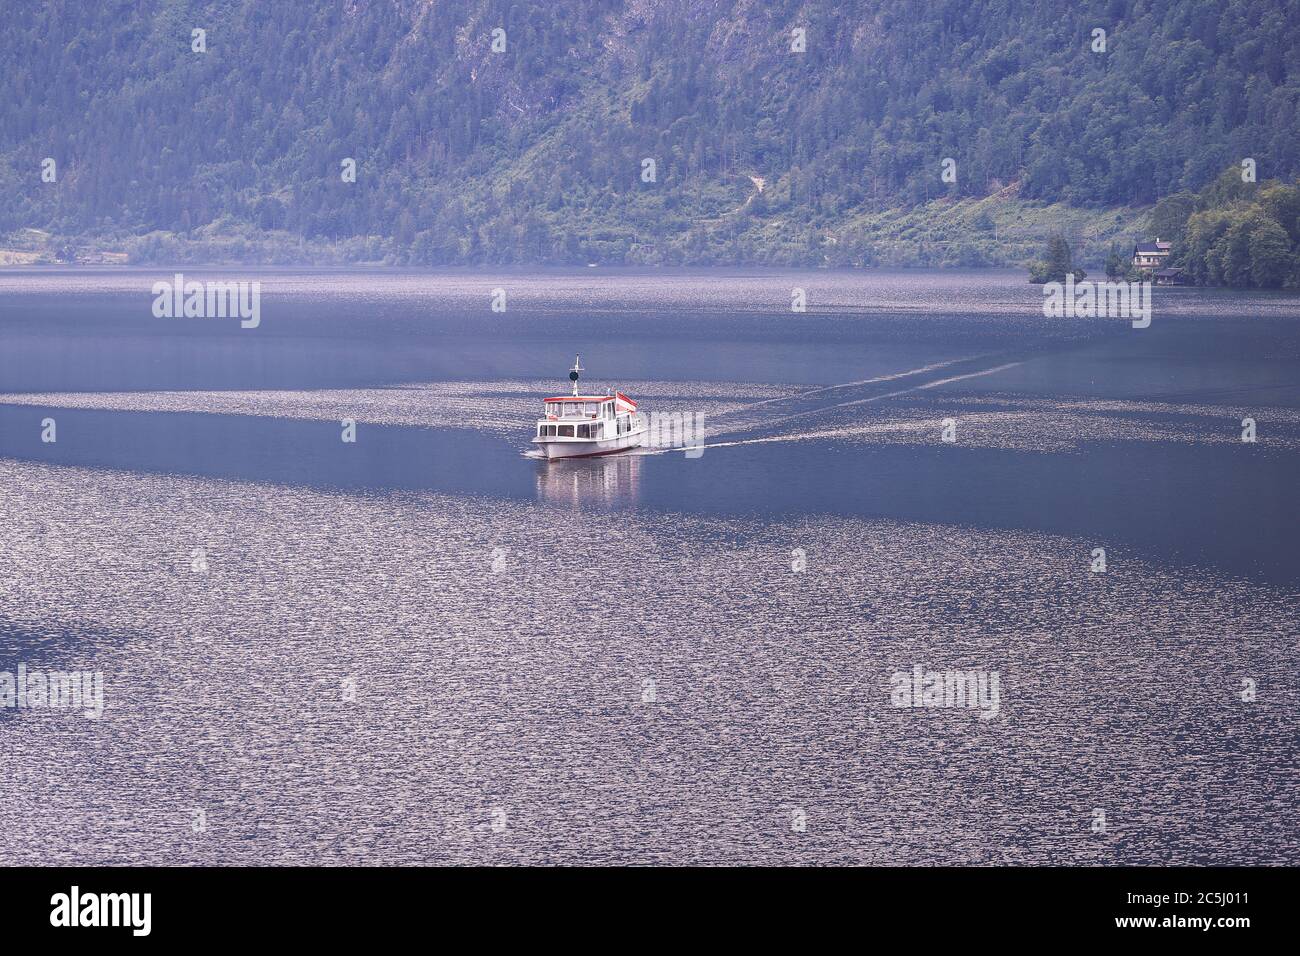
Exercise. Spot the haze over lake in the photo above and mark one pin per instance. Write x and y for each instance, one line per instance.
(394, 652)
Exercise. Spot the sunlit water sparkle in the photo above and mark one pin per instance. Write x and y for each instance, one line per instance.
(463, 587)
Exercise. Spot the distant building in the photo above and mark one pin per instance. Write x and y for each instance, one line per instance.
(1150, 256)
(1170, 277)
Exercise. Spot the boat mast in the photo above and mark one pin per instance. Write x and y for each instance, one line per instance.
(573, 373)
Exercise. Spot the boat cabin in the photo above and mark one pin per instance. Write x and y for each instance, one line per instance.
(587, 416)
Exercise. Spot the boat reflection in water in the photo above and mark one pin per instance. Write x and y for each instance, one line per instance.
(603, 482)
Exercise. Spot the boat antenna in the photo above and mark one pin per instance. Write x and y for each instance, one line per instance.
(573, 373)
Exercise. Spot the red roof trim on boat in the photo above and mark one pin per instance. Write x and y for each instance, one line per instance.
(619, 396)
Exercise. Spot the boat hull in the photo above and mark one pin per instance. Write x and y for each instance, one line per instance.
(554, 448)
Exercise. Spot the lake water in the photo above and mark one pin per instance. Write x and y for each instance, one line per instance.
(427, 646)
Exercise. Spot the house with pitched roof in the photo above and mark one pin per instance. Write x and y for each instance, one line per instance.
(1150, 256)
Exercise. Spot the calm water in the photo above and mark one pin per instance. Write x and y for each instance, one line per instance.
(428, 646)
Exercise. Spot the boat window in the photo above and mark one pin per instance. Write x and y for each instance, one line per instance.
(583, 431)
(566, 431)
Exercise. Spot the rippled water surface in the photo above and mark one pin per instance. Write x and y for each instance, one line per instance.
(428, 646)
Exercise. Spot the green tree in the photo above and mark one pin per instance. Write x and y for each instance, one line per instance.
(1168, 219)
(1115, 264)
(1270, 254)
(1059, 258)
(1282, 205)
(1057, 265)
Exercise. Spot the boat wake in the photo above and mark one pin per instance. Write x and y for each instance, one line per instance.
(772, 414)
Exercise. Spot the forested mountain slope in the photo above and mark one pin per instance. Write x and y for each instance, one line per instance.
(536, 154)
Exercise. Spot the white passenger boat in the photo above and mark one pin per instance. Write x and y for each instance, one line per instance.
(576, 426)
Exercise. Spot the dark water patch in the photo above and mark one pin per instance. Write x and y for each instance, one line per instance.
(264, 449)
(1223, 506)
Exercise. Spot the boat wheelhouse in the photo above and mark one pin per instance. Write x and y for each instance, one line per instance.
(575, 426)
